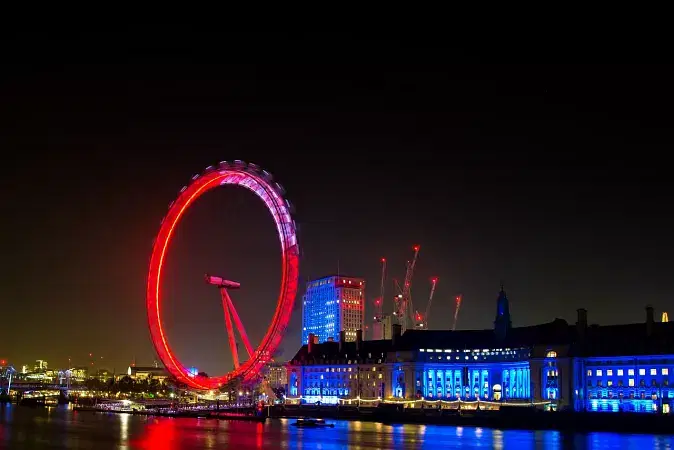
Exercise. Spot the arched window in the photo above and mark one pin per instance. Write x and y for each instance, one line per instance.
(551, 354)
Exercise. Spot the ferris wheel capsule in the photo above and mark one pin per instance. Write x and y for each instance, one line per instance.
(280, 190)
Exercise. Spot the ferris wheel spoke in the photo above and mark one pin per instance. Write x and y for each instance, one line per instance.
(230, 330)
(239, 324)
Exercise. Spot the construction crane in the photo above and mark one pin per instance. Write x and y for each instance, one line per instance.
(422, 320)
(457, 306)
(377, 326)
(403, 305)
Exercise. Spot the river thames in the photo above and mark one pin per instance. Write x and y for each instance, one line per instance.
(60, 427)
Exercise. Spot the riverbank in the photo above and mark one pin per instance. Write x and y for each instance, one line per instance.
(187, 414)
(505, 418)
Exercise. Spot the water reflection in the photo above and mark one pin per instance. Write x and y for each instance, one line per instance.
(124, 429)
(259, 432)
(497, 440)
(62, 428)
(158, 433)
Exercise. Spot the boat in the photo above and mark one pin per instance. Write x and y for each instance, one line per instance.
(313, 423)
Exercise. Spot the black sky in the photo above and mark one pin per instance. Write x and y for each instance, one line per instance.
(553, 178)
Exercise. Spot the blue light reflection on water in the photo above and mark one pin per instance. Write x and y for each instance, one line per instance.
(22, 427)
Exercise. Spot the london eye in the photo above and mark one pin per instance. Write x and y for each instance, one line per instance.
(261, 183)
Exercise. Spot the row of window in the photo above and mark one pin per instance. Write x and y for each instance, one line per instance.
(486, 351)
(630, 394)
(630, 372)
(343, 369)
(363, 376)
(475, 358)
(630, 382)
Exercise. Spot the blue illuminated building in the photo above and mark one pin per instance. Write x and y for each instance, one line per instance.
(556, 364)
(333, 304)
(625, 367)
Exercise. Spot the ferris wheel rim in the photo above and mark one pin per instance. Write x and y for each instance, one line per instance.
(260, 183)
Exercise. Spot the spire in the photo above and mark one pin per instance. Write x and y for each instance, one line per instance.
(502, 322)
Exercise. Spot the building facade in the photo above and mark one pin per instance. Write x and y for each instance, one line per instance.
(333, 304)
(387, 323)
(556, 364)
(147, 373)
(277, 376)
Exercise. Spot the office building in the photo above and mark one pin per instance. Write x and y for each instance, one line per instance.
(277, 375)
(333, 304)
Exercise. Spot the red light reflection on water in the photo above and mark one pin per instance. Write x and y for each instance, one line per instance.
(159, 434)
(167, 433)
(259, 429)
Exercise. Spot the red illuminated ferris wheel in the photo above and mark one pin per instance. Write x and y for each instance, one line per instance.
(260, 183)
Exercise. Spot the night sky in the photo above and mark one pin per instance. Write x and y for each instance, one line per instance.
(553, 179)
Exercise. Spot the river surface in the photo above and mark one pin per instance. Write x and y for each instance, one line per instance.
(60, 427)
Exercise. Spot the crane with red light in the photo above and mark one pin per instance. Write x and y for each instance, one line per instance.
(378, 326)
(421, 322)
(403, 303)
(230, 313)
(457, 306)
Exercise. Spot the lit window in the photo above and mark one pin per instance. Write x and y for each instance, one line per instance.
(551, 354)
(665, 371)
(630, 383)
(609, 373)
(589, 373)
(642, 372)
(610, 383)
(599, 372)
(630, 372)
(620, 372)
(654, 371)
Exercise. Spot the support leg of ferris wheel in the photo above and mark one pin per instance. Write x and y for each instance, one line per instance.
(237, 322)
(230, 328)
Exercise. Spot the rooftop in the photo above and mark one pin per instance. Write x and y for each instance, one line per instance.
(607, 340)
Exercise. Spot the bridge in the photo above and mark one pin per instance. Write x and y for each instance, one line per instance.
(22, 386)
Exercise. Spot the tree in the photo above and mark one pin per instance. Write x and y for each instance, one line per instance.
(125, 384)
(111, 386)
(93, 384)
(232, 388)
(154, 385)
(142, 385)
(280, 392)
